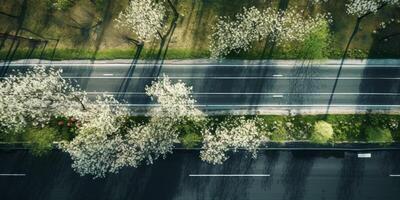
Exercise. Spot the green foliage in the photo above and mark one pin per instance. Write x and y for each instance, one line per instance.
(316, 45)
(300, 127)
(191, 140)
(396, 135)
(40, 140)
(100, 4)
(279, 134)
(106, 54)
(346, 127)
(61, 5)
(323, 132)
(378, 135)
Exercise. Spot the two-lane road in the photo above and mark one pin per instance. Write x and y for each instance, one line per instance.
(230, 86)
(274, 175)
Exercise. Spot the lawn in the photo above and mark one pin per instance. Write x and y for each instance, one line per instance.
(88, 32)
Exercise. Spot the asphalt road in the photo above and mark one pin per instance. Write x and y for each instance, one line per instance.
(275, 175)
(226, 86)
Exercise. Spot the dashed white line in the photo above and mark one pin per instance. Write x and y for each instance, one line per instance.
(12, 174)
(394, 175)
(108, 74)
(364, 155)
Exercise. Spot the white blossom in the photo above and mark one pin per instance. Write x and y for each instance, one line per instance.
(35, 96)
(98, 144)
(155, 139)
(319, 1)
(102, 146)
(253, 25)
(240, 133)
(360, 8)
(174, 99)
(143, 17)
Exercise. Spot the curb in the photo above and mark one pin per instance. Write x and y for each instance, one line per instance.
(361, 62)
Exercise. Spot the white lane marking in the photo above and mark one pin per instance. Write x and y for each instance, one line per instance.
(229, 175)
(394, 175)
(277, 75)
(108, 74)
(12, 174)
(236, 78)
(251, 93)
(277, 96)
(364, 155)
(321, 65)
(264, 105)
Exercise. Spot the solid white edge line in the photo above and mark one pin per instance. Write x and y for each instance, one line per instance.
(12, 174)
(236, 77)
(229, 175)
(250, 93)
(265, 105)
(330, 65)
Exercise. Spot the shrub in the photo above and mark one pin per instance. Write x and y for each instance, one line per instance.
(299, 127)
(323, 132)
(40, 140)
(346, 127)
(378, 135)
(279, 134)
(190, 140)
(316, 45)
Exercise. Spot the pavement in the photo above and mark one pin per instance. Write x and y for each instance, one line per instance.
(275, 86)
(274, 175)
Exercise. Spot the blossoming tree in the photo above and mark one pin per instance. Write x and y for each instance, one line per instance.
(98, 151)
(362, 9)
(254, 25)
(155, 139)
(231, 135)
(144, 18)
(35, 96)
(96, 148)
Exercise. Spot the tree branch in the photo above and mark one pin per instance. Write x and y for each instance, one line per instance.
(8, 15)
(80, 101)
